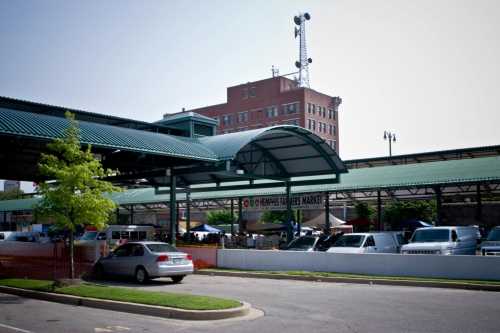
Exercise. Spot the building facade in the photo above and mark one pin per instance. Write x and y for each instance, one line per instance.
(274, 101)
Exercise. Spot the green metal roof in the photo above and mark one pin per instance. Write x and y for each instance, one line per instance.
(100, 135)
(453, 172)
(183, 116)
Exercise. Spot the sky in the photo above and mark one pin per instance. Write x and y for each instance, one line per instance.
(426, 70)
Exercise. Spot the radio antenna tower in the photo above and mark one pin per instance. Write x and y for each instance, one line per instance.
(304, 61)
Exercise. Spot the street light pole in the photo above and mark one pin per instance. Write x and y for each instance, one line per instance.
(391, 137)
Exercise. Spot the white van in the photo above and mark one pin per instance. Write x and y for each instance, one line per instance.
(5, 234)
(491, 246)
(379, 242)
(442, 240)
(116, 234)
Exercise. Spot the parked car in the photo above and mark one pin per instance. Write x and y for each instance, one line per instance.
(304, 243)
(442, 240)
(5, 234)
(25, 236)
(146, 260)
(117, 234)
(491, 246)
(381, 242)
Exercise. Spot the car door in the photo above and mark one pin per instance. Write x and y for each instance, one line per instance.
(370, 245)
(117, 262)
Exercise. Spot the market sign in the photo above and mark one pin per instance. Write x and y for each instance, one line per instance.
(299, 201)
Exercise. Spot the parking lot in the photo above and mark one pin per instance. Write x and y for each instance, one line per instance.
(291, 306)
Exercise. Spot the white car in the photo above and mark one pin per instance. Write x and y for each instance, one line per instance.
(365, 243)
(442, 240)
(491, 246)
(146, 260)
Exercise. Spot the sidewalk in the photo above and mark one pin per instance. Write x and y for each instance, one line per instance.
(375, 280)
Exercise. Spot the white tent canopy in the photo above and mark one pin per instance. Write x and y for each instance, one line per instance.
(320, 221)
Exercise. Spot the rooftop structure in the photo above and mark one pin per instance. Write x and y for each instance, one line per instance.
(277, 101)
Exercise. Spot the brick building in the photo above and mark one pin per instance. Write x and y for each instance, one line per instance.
(275, 101)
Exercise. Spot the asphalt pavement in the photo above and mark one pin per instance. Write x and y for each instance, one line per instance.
(289, 306)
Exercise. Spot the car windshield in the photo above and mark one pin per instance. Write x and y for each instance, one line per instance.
(89, 235)
(303, 243)
(494, 235)
(161, 248)
(431, 235)
(349, 241)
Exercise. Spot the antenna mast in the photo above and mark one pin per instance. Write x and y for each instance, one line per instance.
(304, 61)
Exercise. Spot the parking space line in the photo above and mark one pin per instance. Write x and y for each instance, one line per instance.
(12, 328)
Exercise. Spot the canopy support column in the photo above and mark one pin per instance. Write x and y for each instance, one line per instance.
(188, 211)
(439, 203)
(479, 204)
(289, 213)
(240, 215)
(132, 214)
(232, 216)
(328, 224)
(379, 211)
(173, 210)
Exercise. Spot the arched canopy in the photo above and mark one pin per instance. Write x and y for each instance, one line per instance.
(275, 153)
(283, 151)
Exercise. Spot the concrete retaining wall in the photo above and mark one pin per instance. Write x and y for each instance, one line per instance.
(455, 267)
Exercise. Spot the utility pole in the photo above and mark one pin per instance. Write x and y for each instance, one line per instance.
(392, 138)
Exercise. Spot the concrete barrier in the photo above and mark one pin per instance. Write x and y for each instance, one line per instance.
(435, 266)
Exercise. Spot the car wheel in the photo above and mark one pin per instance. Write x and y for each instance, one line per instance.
(141, 276)
(99, 272)
(177, 279)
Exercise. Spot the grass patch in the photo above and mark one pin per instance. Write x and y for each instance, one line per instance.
(174, 300)
(38, 285)
(362, 277)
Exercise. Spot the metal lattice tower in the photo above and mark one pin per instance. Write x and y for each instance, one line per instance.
(304, 61)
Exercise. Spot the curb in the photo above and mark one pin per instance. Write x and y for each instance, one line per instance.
(143, 309)
(377, 281)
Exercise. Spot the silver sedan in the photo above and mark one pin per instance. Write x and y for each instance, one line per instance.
(146, 260)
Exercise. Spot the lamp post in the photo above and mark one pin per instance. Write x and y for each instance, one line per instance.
(392, 138)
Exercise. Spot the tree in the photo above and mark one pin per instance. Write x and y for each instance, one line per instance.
(14, 193)
(74, 196)
(364, 210)
(400, 211)
(216, 217)
(278, 216)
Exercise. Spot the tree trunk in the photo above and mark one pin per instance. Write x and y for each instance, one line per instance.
(71, 255)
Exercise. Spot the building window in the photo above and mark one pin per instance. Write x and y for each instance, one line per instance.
(227, 119)
(271, 111)
(245, 93)
(291, 108)
(330, 114)
(334, 145)
(313, 125)
(252, 92)
(309, 108)
(334, 130)
(331, 129)
(243, 117)
(334, 114)
(309, 122)
(314, 108)
(324, 112)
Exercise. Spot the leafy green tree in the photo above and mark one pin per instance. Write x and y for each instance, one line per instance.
(74, 196)
(278, 216)
(14, 193)
(364, 210)
(216, 217)
(400, 211)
